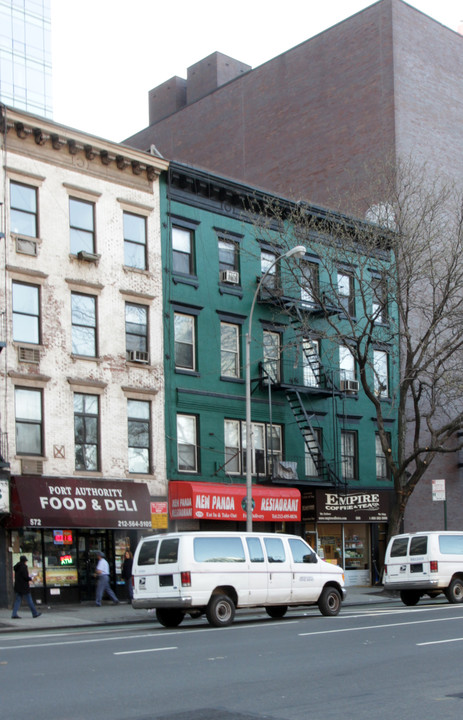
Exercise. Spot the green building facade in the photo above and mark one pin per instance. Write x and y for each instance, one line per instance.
(318, 467)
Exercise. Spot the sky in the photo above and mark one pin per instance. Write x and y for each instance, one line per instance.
(108, 54)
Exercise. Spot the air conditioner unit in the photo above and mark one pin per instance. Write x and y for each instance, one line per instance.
(88, 256)
(32, 467)
(28, 355)
(139, 356)
(230, 276)
(26, 246)
(350, 386)
(285, 470)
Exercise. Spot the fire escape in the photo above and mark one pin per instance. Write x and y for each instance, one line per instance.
(313, 381)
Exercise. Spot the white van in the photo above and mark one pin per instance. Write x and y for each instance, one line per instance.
(425, 563)
(216, 572)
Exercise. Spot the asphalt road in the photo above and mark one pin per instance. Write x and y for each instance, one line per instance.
(382, 662)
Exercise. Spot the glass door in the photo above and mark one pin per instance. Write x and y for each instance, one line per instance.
(89, 543)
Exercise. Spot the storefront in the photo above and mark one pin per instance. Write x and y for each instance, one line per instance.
(196, 505)
(348, 529)
(61, 524)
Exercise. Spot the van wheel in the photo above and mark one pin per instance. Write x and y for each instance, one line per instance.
(329, 602)
(454, 591)
(276, 611)
(409, 597)
(169, 618)
(221, 611)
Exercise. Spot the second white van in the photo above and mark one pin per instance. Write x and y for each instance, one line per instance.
(425, 563)
(213, 573)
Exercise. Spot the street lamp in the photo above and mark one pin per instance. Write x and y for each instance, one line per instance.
(298, 251)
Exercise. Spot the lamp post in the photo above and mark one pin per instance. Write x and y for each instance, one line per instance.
(298, 251)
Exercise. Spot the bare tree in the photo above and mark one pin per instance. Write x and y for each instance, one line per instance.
(406, 265)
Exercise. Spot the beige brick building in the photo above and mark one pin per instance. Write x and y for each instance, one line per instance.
(81, 396)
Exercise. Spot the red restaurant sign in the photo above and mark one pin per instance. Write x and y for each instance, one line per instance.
(76, 503)
(212, 501)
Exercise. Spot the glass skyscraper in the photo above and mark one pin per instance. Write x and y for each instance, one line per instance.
(25, 55)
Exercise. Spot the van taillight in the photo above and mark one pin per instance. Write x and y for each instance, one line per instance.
(385, 569)
(186, 579)
(433, 566)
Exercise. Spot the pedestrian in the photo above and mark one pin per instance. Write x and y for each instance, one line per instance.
(21, 588)
(102, 585)
(127, 574)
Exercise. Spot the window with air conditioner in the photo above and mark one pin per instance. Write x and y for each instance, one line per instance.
(136, 332)
(347, 369)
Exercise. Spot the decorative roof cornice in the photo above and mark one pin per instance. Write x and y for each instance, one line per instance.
(42, 132)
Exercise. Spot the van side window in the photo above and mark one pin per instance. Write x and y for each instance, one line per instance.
(168, 552)
(275, 550)
(147, 554)
(399, 547)
(419, 545)
(256, 554)
(451, 544)
(218, 549)
(301, 552)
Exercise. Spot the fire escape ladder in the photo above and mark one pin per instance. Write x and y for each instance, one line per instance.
(312, 358)
(303, 421)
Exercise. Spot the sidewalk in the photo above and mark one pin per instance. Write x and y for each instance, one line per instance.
(58, 616)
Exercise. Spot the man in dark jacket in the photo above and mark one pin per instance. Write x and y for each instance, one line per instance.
(21, 588)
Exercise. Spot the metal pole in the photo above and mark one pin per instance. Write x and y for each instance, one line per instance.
(298, 251)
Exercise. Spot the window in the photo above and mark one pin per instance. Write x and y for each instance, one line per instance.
(379, 301)
(380, 369)
(301, 552)
(228, 255)
(381, 466)
(349, 455)
(134, 241)
(136, 328)
(309, 282)
(313, 459)
(83, 312)
(23, 209)
(184, 338)
(311, 362)
(187, 450)
(267, 447)
(26, 313)
(346, 292)
(229, 350)
(139, 434)
(346, 363)
(182, 251)
(82, 226)
(218, 549)
(86, 431)
(271, 348)
(28, 413)
(275, 550)
(256, 553)
(267, 263)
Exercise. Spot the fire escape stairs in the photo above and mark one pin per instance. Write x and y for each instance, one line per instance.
(303, 421)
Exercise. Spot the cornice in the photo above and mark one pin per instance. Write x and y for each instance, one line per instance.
(42, 133)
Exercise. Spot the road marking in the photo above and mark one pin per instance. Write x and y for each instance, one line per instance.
(439, 642)
(375, 627)
(134, 652)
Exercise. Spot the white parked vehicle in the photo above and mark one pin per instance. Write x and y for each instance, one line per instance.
(216, 572)
(425, 563)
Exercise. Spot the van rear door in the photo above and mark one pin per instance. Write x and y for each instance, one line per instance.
(279, 571)
(156, 569)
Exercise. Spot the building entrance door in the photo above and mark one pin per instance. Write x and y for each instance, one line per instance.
(89, 543)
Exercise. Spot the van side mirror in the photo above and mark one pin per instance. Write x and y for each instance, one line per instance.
(310, 558)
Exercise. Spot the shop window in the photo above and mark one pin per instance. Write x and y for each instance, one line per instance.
(29, 543)
(330, 543)
(26, 313)
(134, 241)
(29, 430)
(60, 558)
(23, 209)
(82, 226)
(356, 547)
